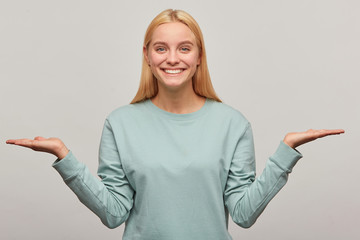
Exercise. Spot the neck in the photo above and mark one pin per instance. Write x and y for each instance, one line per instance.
(179, 102)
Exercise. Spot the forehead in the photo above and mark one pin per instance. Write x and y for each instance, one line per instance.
(172, 33)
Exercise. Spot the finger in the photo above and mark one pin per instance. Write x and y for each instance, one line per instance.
(327, 132)
(16, 141)
(338, 131)
(21, 142)
(10, 141)
(333, 131)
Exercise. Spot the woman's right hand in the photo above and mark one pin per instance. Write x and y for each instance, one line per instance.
(50, 145)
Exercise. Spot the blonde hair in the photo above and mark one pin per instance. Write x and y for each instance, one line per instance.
(201, 80)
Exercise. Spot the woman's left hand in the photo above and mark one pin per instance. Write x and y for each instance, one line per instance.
(296, 139)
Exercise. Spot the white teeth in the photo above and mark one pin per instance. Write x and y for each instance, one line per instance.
(173, 71)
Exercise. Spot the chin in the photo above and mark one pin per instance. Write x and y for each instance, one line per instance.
(173, 84)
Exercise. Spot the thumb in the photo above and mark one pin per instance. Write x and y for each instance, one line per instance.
(39, 138)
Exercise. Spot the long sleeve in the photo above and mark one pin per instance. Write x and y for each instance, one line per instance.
(169, 175)
(246, 196)
(111, 199)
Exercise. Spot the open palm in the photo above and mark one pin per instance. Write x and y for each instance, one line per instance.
(50, 145)
(296, 139)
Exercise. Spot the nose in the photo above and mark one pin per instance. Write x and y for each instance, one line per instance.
(173, 58)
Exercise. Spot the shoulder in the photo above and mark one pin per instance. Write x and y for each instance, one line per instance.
(226, 111)
(128, 111)
(229, 119)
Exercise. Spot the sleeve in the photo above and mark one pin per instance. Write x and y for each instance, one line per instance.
(246, 196)
(110, 198)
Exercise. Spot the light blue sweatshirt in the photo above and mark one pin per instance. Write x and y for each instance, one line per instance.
(177, 176)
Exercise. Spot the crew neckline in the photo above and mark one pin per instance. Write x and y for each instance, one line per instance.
(177, 116)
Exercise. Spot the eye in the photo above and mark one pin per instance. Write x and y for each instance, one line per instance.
(160, 49)
(185, 49)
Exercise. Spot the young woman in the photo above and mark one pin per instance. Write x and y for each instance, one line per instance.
(176, 161)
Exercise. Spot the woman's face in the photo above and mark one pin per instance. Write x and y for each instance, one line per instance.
(173, 55)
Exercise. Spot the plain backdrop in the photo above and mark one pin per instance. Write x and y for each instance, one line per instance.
(286, 65)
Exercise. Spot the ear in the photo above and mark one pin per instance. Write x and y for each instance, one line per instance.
(145, 52)
(199, 59)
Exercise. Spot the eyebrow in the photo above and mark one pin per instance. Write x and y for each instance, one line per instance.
(181, 43)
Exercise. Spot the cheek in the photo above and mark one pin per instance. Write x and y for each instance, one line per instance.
(192, 60)
(156, 59)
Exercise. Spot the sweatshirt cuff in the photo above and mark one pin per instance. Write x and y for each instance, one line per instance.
(286, 157)
(68, 166)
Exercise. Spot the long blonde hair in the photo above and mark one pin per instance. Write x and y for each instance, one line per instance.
(201, 80)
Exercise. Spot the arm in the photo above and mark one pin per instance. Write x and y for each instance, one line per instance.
(247, 197)
(111, 198)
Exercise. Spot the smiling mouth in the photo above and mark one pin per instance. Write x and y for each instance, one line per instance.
(173, 71)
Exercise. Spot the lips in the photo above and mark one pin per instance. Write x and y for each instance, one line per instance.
(173, 71)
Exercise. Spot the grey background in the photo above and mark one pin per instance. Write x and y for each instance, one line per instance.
(286, 65)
